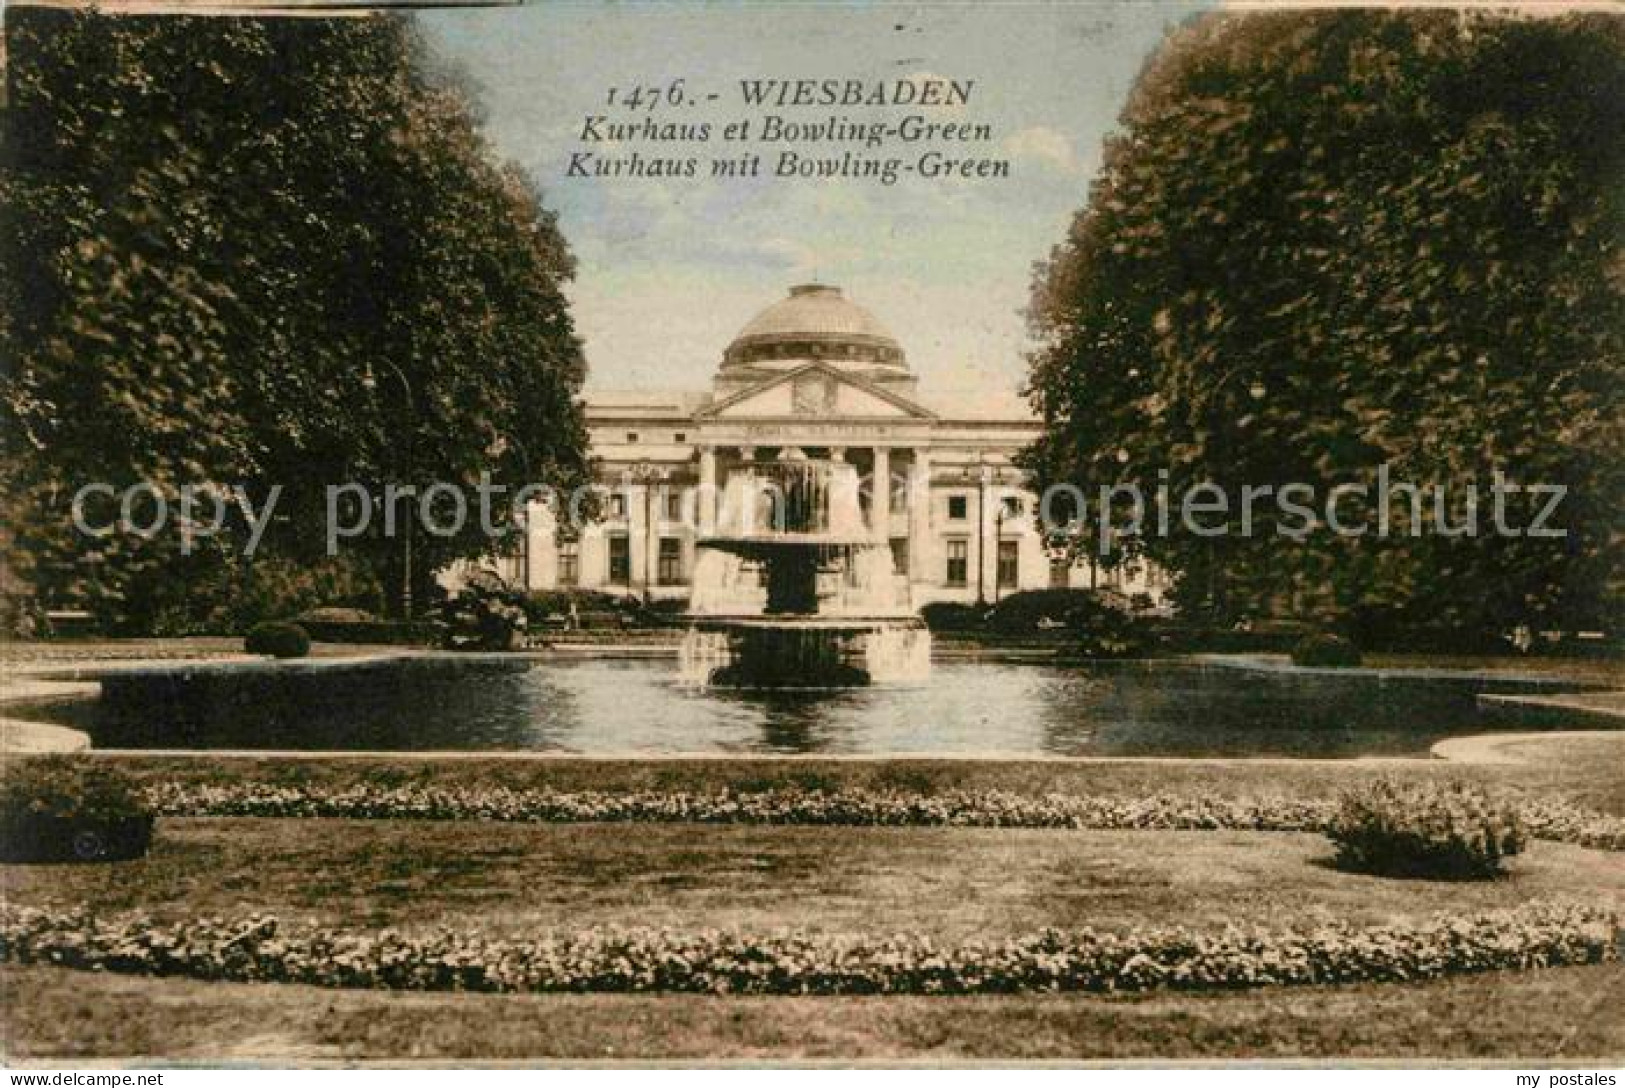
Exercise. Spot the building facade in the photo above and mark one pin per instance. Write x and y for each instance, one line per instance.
(817, 373)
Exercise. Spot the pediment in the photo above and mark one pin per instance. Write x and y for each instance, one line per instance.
(816, 391)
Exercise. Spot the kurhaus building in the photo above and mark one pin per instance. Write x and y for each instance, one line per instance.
(819, 375)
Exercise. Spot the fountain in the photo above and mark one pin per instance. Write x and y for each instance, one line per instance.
(794, 591)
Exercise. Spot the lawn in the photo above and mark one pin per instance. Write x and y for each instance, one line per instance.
(505, 879)
(1545, 1018)
(954, 883)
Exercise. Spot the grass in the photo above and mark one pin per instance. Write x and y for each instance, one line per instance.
(1609, 671)
(507, 879)
(1541, 1017)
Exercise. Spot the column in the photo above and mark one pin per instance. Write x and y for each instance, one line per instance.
(745, 492)
(921, 555)
(653, 516)
(986, 531)
(541, 548)
(637, 529)
(880, 494)
(705, 499)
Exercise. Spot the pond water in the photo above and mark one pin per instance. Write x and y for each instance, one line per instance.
(613, 706)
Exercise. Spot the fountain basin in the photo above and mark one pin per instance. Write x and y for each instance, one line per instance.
(805, 652)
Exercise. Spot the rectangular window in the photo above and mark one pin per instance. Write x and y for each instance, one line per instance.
(674, 504)
(632, 437)
(899, 555)
(1009, 563)
(1012, 506)
(1060, 572)
(620, 560)
(957, 505)
(958, 561)
(569, 563)
(679, 437)
(617, 504)
(670, 568)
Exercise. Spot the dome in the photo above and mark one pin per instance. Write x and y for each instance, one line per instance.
(815, 323)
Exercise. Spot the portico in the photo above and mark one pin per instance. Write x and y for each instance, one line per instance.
(818, 374)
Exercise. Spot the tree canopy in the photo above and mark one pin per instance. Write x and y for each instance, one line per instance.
(266, 252)
(1324, 243)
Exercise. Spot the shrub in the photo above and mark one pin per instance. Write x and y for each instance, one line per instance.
(952, 616)
(486, 615)
(1448, 832)
(1036, 609)
(278, 640)
(55, 808)
(337, 614)
(542, 605)
(256, 948)
(67, 787)
(1322, 650)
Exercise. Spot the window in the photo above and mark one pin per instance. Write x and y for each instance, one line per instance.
(620, 560)
(632, 437)
(1009, 564)
(670, 569)
(1012, 506)
(680, 436)
(674, 504)
(958, 561)
(899, 555)
(617, 504)
(956, 507)
(569, 563)
(1060, 572)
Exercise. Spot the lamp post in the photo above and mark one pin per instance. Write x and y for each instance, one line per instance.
(409, 495)
(645, 473)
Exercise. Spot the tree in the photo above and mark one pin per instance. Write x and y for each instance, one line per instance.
(265, 252)
(1327, 242)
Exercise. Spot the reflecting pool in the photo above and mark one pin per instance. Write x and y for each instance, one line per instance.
(612, 706)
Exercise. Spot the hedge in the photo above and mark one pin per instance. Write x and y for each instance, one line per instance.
(1543, 818)
(256, 949)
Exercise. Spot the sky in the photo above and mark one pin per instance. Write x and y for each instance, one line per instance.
(670, 269)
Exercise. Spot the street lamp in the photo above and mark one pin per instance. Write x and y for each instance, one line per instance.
(408, 494)
(645, 474)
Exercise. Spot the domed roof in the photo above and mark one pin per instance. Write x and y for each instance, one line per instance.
(815, 322)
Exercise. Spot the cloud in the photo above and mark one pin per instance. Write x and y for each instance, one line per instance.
(1044, 145)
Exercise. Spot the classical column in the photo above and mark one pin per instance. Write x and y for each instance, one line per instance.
(637, 528)
(705, 499)
(541, 546)
(921, 555)
(880, 494)
(653, 517)
(745, 491)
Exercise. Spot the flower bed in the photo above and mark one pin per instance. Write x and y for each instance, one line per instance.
(1547, 819)
(847, 807)
(658, 960)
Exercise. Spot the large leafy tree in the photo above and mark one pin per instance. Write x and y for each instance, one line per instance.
(1327, 242)
(267, 252)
